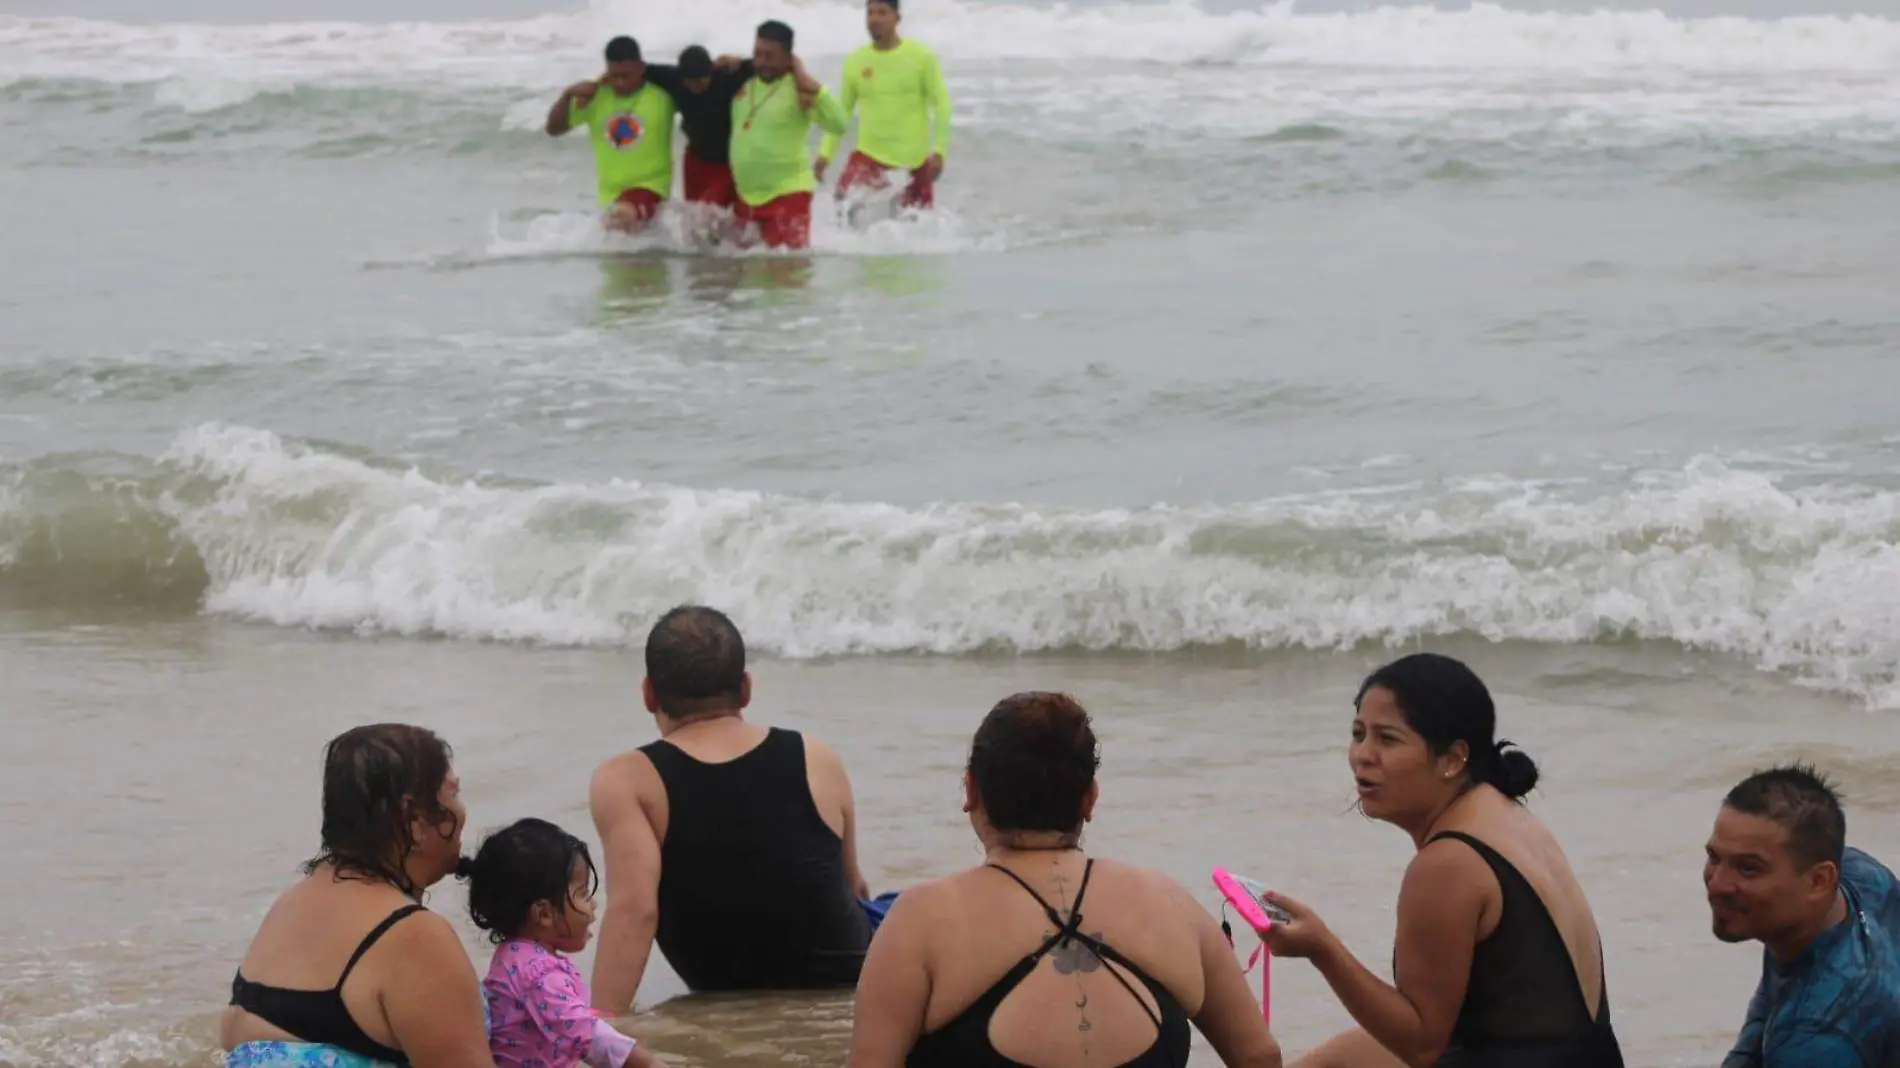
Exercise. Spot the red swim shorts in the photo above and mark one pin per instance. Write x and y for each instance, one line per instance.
(640, 204)
(862, 170)
(708, 183)
(783, 223)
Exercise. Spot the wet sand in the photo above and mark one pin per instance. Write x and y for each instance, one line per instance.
(160, 785)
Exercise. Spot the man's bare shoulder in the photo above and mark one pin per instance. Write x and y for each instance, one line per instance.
(822, 756)
(629, 775)
(817, 748)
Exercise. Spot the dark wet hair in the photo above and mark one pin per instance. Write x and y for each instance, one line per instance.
(530, 860)
(376, 779)
(696, 660)
(695, 62)
(1801, 800)
(1033, 761)
(892, 4)
(623, 49)
(774, 30)
(1446, 702)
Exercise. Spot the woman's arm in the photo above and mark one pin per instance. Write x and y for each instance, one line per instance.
(893, 988)
(1229, 1017)
(1441, 906)
(432, 999)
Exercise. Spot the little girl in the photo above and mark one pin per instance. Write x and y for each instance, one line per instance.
(531, 887)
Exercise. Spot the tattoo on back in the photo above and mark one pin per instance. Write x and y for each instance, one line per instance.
(1075, 958)
(1072, 957)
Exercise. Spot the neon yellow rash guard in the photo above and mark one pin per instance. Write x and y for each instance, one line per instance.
(771, 154)
(899, 90)
(633, 139)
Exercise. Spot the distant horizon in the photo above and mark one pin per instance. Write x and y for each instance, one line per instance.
(246, 11)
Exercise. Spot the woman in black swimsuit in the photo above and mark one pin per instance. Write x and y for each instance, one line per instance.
(1043, 955)
(348, 969)
(1497, 959)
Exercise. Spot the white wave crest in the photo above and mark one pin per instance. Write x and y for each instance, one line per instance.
(202, 95)
(1708, 557)
(938, 232)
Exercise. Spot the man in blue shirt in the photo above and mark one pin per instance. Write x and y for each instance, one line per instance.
(1779, 872)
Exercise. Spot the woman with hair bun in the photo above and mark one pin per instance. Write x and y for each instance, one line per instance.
(1044, 955)
(1497, 961)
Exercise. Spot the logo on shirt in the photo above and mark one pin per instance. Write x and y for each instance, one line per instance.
(867, 73)
(625, 130)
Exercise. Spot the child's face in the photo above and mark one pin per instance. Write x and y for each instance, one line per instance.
(571, 930)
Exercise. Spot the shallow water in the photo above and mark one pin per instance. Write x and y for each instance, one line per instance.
(1220, 758)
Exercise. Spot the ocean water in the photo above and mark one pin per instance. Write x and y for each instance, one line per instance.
(1248, 344)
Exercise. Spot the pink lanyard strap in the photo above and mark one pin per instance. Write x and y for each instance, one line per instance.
(1260, 954)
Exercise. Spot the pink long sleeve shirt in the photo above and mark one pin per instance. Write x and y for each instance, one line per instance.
(540, 1014)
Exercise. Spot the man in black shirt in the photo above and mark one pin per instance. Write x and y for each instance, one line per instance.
(703, 91)
(731, 845)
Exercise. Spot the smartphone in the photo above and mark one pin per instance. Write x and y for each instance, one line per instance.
(1249, 898)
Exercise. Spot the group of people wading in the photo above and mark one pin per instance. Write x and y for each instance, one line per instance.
(733, 846)
(748, 174)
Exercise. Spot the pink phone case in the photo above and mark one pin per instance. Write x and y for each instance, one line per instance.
(1244, 903)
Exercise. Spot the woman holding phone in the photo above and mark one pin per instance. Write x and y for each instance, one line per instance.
(1497, 961)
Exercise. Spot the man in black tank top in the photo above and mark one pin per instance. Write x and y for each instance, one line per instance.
(731, 845)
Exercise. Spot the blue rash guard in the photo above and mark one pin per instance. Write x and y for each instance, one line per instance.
(1837, 1005)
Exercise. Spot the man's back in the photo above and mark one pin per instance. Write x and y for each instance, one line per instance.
(1838, 1004)
(756, 883)
(732, 846)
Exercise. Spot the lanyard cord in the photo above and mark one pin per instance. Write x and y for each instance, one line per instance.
(1259, 952)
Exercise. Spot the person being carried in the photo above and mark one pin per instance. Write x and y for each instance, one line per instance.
(900, 85)
(732, 845)
(703, 90)
(771, 160)
(630, 121)
(1779, 871)
(531, 887)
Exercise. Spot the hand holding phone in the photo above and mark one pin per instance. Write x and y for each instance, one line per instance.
(1249, 898)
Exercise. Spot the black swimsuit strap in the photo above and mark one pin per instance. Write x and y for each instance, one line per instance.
(1065, 929)
(1069, 930)
(371, 938)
